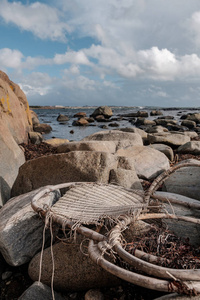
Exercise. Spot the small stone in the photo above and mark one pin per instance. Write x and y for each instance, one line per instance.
(94, 295)
(6, 275)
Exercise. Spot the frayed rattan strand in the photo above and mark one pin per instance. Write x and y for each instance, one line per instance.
(52, 258)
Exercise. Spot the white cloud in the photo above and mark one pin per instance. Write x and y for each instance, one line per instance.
(40, 19)
(10, 58)
(72, 57)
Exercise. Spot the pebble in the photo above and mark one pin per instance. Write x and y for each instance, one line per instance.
(94, 295)
(6, 275)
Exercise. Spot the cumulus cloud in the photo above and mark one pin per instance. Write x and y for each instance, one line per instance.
(42, 20)
(72, 57)
(10, 58)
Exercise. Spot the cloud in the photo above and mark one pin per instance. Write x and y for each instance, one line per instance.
(37, 83)
(10, 58)
(72, 57)
(42, 20)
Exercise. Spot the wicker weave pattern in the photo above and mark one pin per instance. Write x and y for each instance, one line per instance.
(88, 203)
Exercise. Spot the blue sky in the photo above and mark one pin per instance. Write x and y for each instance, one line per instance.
(100, 52)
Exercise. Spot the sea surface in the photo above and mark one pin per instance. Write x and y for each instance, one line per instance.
(62, 130)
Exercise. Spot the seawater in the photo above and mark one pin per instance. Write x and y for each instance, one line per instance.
(59, 130)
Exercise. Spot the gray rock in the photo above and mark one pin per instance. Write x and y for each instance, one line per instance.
(12, 157)
(192, 147)
(73, 270)
(156, 129)
(39, 291)
(181, 228)
(56, 142)
(191, 134)
(94, 295)
(102, 110)
(165, 122)
(156, 113)
(42, 128)
(148, 162)
(121, 139)
(100, 146)
(188, 123)
(167, 150)
(66, 167)
(194, 117)
(21, 228)
(184, 181)
(35, 137)
(34, 118)
(125, 178)
(135, 130)
(171, 139)
(62, 118)
(143, 121)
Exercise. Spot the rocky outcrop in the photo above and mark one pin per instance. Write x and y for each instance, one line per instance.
(73, 270)
(21, 228)
(15, 123)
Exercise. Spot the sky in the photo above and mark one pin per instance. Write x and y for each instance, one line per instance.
(103, 52)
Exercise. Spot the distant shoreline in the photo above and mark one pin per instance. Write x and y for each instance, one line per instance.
(133, 107)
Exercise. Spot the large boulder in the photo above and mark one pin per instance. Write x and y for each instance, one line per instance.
(102, 110)
(21, 228)
(34, 118)
(42, 128)
(100, 146)
(15, 123)
(73, 270)
(184, 181)
(67, 167)
(168, 138)
(192, 147)
(62, 118)
(125, 178)
(148, 162)
(121, 139)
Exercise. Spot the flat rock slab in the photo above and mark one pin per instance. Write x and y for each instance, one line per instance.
(39, 291)
(184, 181)
(120, 138)
(21, 229)
(148, 162)
(73, 270)
(100, 146)
(171, 139)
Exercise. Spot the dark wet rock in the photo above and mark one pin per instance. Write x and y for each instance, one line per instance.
(156, 113)
(42, 128)
(62, 118)
(113, 125)
(188, 123)
(102, 110)
(80, 115)
(165, 122)
(80, 122)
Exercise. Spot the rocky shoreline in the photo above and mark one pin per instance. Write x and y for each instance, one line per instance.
(130, 158)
